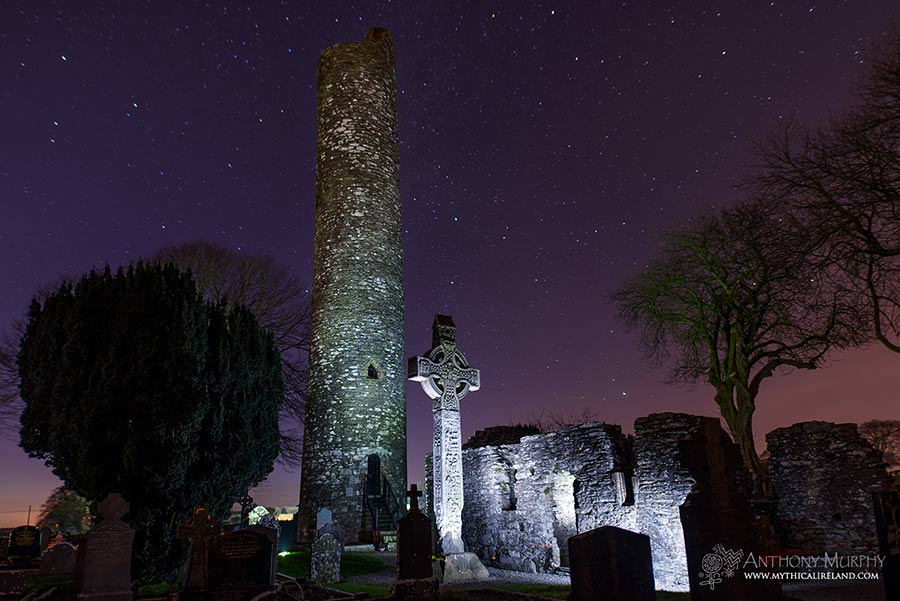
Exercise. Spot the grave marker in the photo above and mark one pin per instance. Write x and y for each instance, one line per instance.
(241, 564)
(24, 546)
(611, 564)
(59, 559)
(325, 560)
(415, 578)
(107, 555)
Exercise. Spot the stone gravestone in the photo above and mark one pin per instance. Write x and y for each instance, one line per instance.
(415, 580)
(24, 546)
(325, 560)
(198, 530)
(323, 518)
(59, 559)
(611, 564)
(107, 554)
(241, 564)
(446, 378)
(887, 522)
(720, 528)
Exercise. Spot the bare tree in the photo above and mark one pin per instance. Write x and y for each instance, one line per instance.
(280, 303)
(551, 421)
(884, 435)
(842, 181)
(730, 299)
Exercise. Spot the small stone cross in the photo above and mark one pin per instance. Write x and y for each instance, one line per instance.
(414, 494)
(199, 526)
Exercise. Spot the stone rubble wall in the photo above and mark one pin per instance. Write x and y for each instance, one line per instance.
(823, 475)
(523, 500)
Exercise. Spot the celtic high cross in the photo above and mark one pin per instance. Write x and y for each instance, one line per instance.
(446, 377)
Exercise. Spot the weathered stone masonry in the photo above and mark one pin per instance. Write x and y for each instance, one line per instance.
(357, 362)
(823, 475)
(525, 498)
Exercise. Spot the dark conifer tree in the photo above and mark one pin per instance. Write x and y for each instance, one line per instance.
(133, 384)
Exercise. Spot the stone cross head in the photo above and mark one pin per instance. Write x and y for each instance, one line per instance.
(444, 372)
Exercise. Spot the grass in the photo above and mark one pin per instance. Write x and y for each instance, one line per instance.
(38, 583)
(374, 591)
(296, 564)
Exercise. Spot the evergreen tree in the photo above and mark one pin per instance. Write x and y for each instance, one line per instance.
(132, 383)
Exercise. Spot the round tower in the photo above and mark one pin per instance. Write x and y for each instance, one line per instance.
(354, 445)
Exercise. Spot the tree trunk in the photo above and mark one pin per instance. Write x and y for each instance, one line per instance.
(740, 423)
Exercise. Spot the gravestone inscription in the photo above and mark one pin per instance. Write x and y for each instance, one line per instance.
(611, 564)
(107, 554)
(241, 564)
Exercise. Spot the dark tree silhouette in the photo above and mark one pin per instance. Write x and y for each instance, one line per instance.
(884, 435)
(280, 303)
(133, 383)
(842, 181)
(729, 299)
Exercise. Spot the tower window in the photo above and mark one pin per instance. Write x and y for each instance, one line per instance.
(372, 370)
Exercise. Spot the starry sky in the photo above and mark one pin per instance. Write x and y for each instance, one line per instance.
(543, 146)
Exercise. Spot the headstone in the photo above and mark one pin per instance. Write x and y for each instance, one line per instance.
(611, 564)
(887, 522)
(256, 514)
(198, 530)
(323, 518)
(59, 559)
(24, 546)
(415, 579)
(107, 554)
(241, 564)
(325, 560)
(720, 528)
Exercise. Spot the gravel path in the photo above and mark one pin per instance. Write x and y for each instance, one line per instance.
(799, 591)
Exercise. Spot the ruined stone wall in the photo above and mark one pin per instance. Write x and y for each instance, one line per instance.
(523, 501)
(823, 475)
(663, 483)
(357, 362)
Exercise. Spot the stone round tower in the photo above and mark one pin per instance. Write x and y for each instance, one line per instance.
(354, 445)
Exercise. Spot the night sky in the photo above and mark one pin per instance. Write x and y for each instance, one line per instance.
(542, 147)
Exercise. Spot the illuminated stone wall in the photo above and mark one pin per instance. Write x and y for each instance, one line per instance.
(823, 475)
(524, 500)
(357, 361)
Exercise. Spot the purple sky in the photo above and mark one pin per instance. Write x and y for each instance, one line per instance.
(542, 146)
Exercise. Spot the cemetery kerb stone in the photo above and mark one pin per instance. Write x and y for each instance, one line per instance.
(887, 521)
(611, 564)
(241, 564)
(59, 559)
(106, 559)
